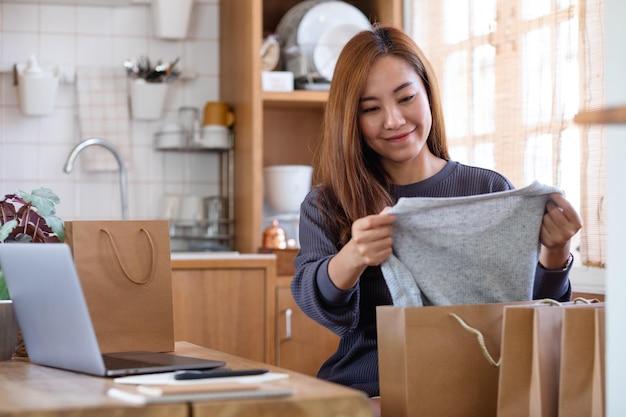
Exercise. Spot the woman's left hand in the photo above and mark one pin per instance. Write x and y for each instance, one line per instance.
(560, 223)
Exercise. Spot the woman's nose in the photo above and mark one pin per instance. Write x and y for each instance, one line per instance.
(393, 118)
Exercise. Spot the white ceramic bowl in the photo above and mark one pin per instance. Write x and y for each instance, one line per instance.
(286, 186)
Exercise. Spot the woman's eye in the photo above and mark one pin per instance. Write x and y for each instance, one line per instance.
(407, 98)
(368, 109)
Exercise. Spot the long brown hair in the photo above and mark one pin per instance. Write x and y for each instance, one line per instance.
(352, 181)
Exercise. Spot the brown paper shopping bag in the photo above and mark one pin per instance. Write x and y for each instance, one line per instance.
(440, 360)
(582, 384)
(125, 272)
(529, 361)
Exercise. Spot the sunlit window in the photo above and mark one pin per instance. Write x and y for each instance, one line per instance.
(455, 93)
(538, 159)
(537, 76)
(483, 89)
(513, 75)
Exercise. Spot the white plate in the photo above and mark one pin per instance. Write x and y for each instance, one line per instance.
(329, 46)
(324, 16)
(287, 28)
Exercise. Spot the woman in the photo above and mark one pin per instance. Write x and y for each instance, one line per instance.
(384, 138)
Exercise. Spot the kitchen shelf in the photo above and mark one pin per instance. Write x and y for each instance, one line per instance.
(272, 128)
(298, 98)
(225, 237)
(613, 115)
(111, 3)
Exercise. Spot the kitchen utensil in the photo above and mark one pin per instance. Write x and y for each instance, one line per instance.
(218, 113)
(215, 209)
(329, 46)
(170, 206)
(286, 186)
(324, 17)
(188, 119)
(36, 87)
(215, 137)
(171, 136)
(286, 31)
(191, 211)
(274, 236)
(147, 99)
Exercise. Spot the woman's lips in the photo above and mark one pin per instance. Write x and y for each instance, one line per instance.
(400, 136)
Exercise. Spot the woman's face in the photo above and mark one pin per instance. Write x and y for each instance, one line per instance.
(394, 113)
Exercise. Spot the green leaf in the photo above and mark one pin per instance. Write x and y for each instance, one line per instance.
(43, 199)
(4, 291)
(46, 193)
(57, 226)
(6, 229)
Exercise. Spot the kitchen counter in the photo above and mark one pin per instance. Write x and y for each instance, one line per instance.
(203, 260)
(217, 255)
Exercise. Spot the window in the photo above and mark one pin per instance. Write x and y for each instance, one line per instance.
(513, 74)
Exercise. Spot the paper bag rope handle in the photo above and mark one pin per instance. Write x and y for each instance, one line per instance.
(480, 337)
(119, 260)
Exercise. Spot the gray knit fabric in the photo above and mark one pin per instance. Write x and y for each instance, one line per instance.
(464, 250)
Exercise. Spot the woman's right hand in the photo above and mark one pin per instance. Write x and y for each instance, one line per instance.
(369, 245)
(371, 237)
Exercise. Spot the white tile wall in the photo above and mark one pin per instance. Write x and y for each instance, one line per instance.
(33, 150)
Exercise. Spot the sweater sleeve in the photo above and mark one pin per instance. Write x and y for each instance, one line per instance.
(311, 287)
(552, 284)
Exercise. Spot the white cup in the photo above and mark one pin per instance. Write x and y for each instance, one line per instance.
(170, 205)
(191, 210)
(215, 214)
(215, 137)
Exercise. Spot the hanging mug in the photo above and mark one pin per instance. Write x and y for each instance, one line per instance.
(218, 113)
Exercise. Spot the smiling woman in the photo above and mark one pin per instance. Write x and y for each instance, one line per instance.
(384, 139)
(395, 121)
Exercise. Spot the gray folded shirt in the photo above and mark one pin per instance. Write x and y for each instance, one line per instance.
(466, 250)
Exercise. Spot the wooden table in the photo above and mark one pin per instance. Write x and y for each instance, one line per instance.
(32, 390)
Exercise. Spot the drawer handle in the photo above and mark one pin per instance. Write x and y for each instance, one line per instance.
(288, 314)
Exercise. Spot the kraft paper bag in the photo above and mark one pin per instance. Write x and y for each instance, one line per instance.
(439, 360)
(582, 377)
(125, 272)
(530, 360)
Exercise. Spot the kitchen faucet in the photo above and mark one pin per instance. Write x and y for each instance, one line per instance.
(107, 145)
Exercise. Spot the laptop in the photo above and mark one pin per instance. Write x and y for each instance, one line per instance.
(54, 319)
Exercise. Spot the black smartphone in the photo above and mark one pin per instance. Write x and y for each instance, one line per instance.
(217, 373)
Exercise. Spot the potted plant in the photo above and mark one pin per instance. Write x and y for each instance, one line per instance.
(24, 218)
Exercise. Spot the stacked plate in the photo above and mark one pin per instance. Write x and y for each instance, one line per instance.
(312, 34)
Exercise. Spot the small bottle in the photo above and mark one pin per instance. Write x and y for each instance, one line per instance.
(274, 236)
(32, 68)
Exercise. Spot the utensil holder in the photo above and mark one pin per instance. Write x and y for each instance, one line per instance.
(36, 94)
(147, 99)
(171, 18)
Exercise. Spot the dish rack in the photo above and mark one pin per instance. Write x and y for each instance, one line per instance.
(217, 233)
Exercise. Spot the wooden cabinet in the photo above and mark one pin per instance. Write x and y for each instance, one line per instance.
(238, 305)
(302, 345)
(226, 304)
(271, 128)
